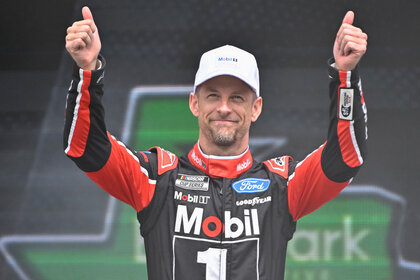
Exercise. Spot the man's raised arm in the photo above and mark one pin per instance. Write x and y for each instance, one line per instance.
(325, 172)
(126, 175)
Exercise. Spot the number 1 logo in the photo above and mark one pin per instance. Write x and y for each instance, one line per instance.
(206, 259)
(215, 261)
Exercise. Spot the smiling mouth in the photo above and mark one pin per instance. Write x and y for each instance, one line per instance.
(223, 121)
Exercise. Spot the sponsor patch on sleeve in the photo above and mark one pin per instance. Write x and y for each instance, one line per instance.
(192, 182)
(345, 107)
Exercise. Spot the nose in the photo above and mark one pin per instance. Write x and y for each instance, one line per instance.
(224, 106)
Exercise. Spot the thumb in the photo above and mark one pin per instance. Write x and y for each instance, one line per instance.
(349, 17)
(87, 14)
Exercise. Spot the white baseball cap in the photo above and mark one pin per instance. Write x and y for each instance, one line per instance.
(228, 60)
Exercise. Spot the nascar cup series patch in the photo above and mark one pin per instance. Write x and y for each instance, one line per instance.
(192, 182)
(251, 185)
(346, 104)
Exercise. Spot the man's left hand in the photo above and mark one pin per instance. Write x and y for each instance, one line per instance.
(350, 44)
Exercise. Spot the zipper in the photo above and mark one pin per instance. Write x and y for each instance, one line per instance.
(222, 198)
(225, 195)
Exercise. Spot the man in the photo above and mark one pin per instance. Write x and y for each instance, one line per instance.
(215, 213)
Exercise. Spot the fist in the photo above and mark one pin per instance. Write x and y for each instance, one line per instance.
(350, 44)
(82, 41)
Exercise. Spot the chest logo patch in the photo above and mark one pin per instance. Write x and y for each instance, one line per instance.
(192, 182)
(251, 185)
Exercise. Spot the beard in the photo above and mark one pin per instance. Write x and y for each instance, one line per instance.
(224, 136)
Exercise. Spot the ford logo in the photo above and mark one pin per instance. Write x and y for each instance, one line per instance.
(251, 185)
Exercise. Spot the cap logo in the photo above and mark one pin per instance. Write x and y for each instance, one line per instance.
(228, 59)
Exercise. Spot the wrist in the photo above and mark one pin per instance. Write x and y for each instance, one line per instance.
(94, 65)
(344, 67)
(334, 70)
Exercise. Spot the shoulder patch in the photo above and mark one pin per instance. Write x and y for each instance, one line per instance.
(166, 160)
(279, 165)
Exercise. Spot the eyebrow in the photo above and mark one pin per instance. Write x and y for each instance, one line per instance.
(212, 89)
(236, 92)
(233, 92)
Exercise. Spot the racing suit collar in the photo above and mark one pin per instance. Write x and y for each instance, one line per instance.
(220, 166)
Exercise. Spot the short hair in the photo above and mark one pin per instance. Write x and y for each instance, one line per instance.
(197, 89)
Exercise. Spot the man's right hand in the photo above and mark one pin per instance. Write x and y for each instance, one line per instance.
(82, 41)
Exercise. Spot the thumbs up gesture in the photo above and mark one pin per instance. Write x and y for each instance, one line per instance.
(350, 44)
(83, 42)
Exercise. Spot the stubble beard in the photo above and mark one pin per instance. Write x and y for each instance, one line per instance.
(225, 137)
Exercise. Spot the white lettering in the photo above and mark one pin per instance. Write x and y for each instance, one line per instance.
(254, 201)
(249, 186)
(202, 199)
(351, 242)
(247, 222)
(182, 217)
(233, 227)
(243, 165)
(311, 238)
(228, 226)
(197, 159)
(178, 195)
(329, 238)
(345, 242)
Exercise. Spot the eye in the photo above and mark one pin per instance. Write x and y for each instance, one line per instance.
(237, 98)
(212, 95)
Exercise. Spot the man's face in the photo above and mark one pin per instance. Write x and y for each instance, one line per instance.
(225, 107)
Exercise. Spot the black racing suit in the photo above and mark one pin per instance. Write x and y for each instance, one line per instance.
(206, 217)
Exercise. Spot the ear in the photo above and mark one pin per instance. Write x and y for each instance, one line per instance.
(256, 108)
(194, 104)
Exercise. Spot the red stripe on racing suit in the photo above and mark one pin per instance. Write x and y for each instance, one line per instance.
(345, 130)
(123, 173)
(80, 125)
